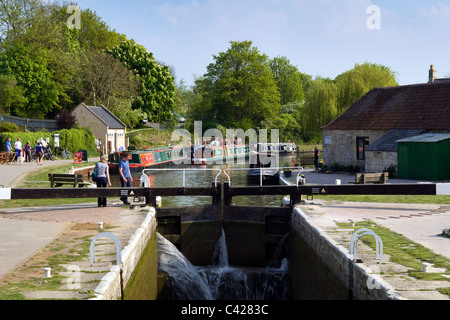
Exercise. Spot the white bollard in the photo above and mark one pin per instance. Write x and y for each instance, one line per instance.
(158, 201)
(426, 267)
(48, 272)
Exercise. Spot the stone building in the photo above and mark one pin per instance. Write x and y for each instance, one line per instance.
(109, 131)
(366, 134)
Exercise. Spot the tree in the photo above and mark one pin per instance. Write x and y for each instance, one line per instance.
(11, 94)
(355, 83)
(122, 108)
(103, 77)
(32, 75)
(239, 89)
(157, 85)
(320, 108)
(66, 119)
(95, 34)
(17, 15)
(290, 80)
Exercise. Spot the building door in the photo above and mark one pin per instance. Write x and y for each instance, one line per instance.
(361, 144)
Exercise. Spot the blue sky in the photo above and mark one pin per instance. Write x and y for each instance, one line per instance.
(320, 37)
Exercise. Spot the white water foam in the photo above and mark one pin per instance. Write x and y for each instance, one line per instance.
(221, 281)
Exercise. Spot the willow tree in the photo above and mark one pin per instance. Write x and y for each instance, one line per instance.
(320, 108)
(355, 83)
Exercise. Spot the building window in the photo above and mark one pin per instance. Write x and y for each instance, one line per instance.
(361, 144)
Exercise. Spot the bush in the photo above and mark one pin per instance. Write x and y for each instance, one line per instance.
(8, 127)
(74, 139)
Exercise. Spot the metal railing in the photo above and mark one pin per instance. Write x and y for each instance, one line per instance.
(362, 232)
(144, 176)
(116, 242)
(262, 171)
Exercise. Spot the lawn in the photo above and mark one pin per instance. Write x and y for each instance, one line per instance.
(412, 199)
(405, 252)
(39, 179)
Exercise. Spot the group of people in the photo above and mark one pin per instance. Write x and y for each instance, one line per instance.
(103, 179)
(23, 153)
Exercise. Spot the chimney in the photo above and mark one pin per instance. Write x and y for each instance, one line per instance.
(432, 74)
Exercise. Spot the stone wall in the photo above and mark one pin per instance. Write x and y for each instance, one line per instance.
(110, 285)
(340, 146)
(322, 269)
(379, 161)
(32, 125)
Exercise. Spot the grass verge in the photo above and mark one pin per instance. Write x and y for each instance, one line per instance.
(412, 199)
(405, 252)
(28, 277)
(39, 179)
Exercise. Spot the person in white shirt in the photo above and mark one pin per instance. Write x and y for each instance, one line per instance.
(18, 146)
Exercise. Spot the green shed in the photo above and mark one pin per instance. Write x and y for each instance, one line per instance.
(424, 157)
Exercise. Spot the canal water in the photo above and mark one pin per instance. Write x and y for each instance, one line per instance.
(219, 281)
(205, 176)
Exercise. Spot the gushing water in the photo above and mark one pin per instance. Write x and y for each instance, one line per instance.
(189, 283)
(221, 252)
(221, 281)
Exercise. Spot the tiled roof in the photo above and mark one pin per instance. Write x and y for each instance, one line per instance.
(389, 141)
(107, 117)
(423, 106)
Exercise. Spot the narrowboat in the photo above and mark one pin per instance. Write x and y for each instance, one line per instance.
(204, 155)
(263, 174)
(142, 159)
(277, 147)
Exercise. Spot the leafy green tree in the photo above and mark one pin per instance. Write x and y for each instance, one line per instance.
(157, 85)
(95, 34)
(355, 83)
(290, 80)
(32, 75)
(11, 94)
(239, 89)
(18, 15)
(122, 108)
(104, 77)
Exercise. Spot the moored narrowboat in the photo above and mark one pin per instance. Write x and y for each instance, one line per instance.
(203, 155)
(142, 159)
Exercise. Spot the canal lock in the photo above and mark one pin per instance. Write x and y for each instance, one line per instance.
(255, 247)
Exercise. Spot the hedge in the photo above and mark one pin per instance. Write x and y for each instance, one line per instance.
(73, 139)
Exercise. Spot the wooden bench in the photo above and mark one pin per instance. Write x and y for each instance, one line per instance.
(58, 180)
(3, 158)
(363, 178)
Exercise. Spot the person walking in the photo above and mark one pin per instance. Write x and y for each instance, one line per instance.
(124, 173)
(18, 147)
(102, 178)
(39, 153)
(27, 150)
